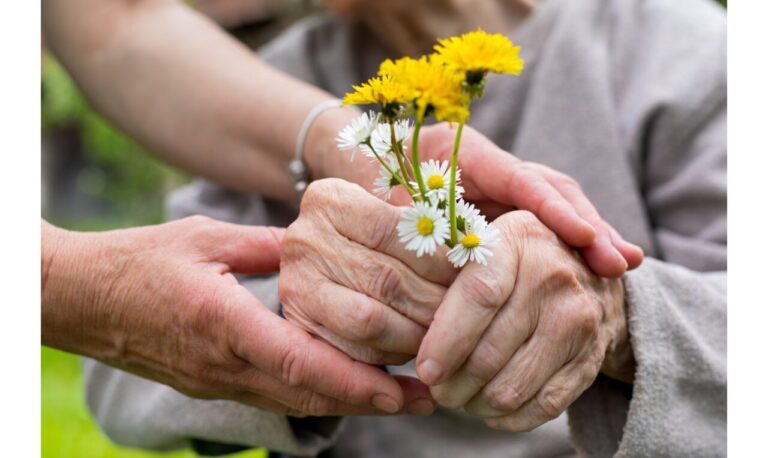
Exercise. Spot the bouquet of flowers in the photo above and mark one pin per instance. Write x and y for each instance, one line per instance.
(441, 85)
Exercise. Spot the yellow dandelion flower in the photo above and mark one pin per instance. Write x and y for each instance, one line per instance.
(480, 52)
(435, 87)
(383, 90)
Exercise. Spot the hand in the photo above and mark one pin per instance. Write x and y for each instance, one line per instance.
(498, 182)
(161, 302)
(346, 277)
(517, 341)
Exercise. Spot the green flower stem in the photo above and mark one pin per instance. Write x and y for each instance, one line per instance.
(398, 154)
(452, 186)
(417, 162)
(397, 176)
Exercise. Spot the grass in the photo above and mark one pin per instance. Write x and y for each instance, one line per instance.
(67, 427)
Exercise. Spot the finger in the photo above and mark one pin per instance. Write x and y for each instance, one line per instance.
(365, 321)
(531, 366)
(291, 356)
(604, 257)
(510, 328)
(370, 222)
(519, 186)
(298, 402)
(244, 249)
(383, 278)
(492, 209)
(553, 398)
(632, 253)
(467, 309)
(418, 400)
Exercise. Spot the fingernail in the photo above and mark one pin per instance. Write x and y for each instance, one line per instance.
(429, 371)
(421, 406)
(385, 402)
(618, 255)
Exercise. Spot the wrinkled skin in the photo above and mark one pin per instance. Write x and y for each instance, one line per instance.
(498, 182)
(161, 302)
(517, 341)
(345, 277)
(539, 321)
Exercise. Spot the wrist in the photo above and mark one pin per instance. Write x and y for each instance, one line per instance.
(76, 281)
(619, 362)
(321, 153)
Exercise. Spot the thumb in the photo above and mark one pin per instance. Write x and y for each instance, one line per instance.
(249, 249)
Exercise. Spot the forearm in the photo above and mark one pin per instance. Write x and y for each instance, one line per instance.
(74, 281)
(193, 95)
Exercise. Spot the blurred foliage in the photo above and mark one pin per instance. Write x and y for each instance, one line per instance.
(67, 427)
(132, 182)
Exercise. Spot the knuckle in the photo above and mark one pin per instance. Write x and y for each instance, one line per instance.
(551, 404)
(384, 282)
(507, 398)
(563, 180)
(367, 322)
(485, 361)
(314, 405)
(318, 194)
(584, 318)
(299, 241)
(564, 277)
(529, 223)
(445, 396)
(381, 231)
(196, 221)
(293, 365)
(324, 195)
(483, 290)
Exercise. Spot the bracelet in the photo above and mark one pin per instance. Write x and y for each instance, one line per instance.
(297, 168)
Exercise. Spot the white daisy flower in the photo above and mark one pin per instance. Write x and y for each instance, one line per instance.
(381, 138)
(473, 244)
(467, 215)
(423, 228)
(437, 179)
(358, 132)
(386, 182)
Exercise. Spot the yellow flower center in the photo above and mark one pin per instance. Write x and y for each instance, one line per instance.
(435, 182)
(424, 226)
(470, 241)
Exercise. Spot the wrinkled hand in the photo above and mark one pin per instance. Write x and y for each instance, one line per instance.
(517, 341)
(161, 302)
(498, 182)
(345, 276)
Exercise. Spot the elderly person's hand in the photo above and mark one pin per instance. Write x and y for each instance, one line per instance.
(517, 341)
(345, 276)
(161, 302)
(498, 182)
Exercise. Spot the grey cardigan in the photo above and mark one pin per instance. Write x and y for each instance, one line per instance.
(629, 98)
